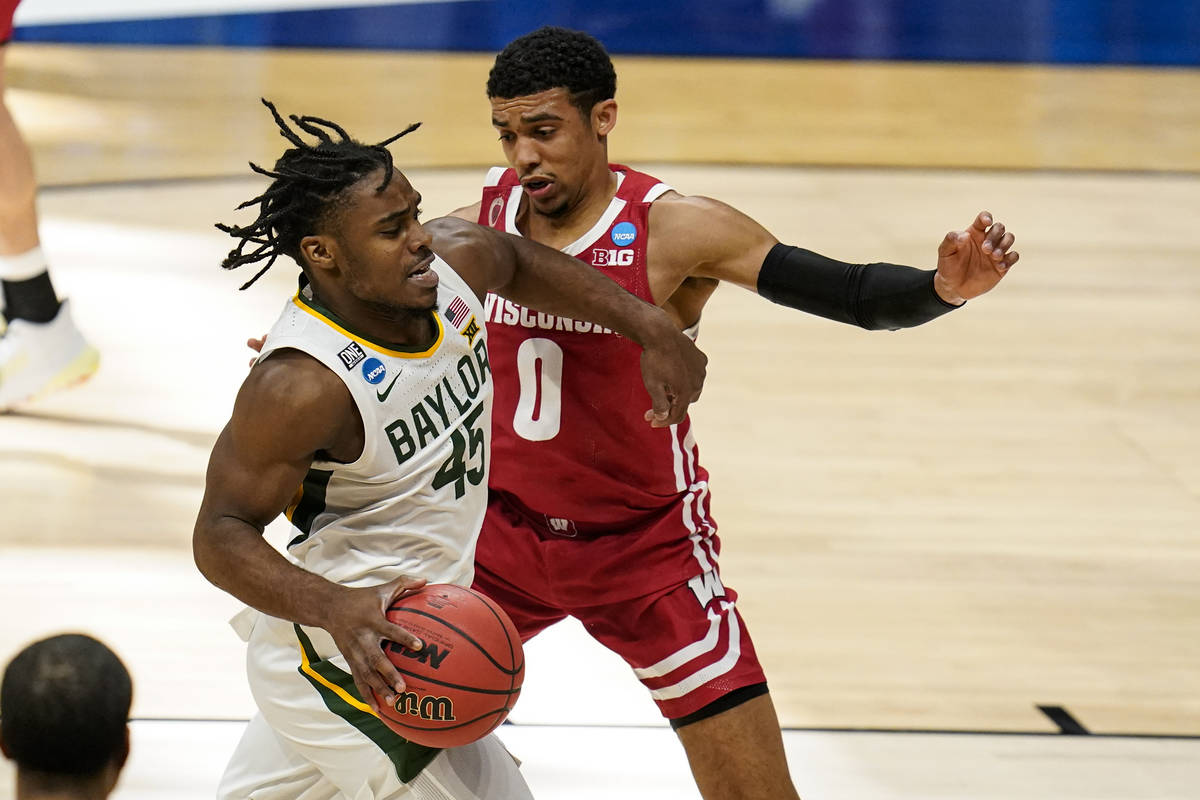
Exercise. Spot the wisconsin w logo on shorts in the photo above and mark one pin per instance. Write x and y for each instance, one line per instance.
(706, 587)
(562, 527)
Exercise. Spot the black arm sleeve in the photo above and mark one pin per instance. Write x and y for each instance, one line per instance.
(871, 296)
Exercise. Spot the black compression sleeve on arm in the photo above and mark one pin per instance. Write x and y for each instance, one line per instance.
(872, 296)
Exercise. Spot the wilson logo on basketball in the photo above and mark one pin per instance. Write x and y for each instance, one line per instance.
(438, 709)
(429, 654)
(450, 702)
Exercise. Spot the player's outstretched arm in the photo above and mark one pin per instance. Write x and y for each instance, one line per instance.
(289, 408)
(542, 278)
(469, 213)
(705, 238)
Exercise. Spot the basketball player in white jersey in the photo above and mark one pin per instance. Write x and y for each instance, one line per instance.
(367, 421)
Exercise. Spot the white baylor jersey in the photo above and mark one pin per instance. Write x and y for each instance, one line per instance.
(414, 500)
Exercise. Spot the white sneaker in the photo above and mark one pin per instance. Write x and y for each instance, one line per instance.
(39, 358)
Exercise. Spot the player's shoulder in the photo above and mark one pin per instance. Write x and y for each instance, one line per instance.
(471, 250)
(455, 232)
(469, 213)
(291, 403)
(677, 202)
(291, 384)
(685, 214)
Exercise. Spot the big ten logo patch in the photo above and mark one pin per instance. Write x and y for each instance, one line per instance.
(612, 258)
(706, 587)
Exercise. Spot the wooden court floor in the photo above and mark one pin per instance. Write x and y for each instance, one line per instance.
(934, 530)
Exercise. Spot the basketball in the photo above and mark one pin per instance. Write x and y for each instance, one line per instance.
(461, 685)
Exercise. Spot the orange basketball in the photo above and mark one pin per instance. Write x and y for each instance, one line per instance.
(461, 685)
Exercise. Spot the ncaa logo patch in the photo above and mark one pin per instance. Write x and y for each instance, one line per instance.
(374, 371)
(624, 234)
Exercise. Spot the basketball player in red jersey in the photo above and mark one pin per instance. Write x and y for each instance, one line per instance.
(592, 513)
(41, 350)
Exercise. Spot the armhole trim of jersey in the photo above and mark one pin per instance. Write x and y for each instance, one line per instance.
(657, 191)
(510, 212)
(604, 223)
(493, 176)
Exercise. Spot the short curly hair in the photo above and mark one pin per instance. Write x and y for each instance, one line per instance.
(553, 57)
(64, 706)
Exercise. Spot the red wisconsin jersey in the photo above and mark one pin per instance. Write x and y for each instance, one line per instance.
(568, 436)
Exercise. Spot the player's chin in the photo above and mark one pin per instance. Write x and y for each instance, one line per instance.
(408, 303)
(430, 301)
(419, 299)
(551, 206)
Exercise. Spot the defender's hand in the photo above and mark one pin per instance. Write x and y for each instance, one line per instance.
(673, 370)
(359, 626)
(973, 261)
(256, 345)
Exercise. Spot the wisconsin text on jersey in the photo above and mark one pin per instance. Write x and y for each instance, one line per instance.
(505, 312)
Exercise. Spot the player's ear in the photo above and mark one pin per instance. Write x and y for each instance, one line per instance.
(123, 754)
(604, 117)
(112, 771)
(317, 252)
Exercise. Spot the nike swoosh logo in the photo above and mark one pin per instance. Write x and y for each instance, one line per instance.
(384, 394)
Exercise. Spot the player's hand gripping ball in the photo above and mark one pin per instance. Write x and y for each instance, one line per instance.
(461, 685)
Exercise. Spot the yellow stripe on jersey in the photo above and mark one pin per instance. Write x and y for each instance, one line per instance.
(306, 668)
(324, 316)
(291, 507)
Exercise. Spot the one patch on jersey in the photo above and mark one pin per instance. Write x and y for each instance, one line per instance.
(624, 234)
(457, 312)
(374, 371)
(471, 330)
(494, 211)
(352, 355)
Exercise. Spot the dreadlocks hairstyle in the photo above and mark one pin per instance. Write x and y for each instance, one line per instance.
(308, 182)
(551, 57)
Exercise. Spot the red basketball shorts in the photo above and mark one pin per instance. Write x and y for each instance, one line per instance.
(683, 637)
(7, 9)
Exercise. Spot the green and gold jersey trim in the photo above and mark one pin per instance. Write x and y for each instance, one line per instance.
(336, 688)
(308, 503)
(311, 306)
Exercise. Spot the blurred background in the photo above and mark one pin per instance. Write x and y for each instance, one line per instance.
(938, 536)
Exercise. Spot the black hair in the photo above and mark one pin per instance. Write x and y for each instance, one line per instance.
(553, 57)
(64, 706)
(308, 182)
